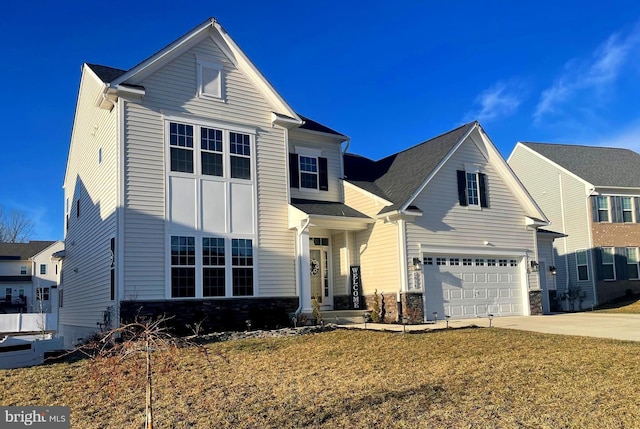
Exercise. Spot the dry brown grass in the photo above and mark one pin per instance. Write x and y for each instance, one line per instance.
(471, 378)
(630, 306)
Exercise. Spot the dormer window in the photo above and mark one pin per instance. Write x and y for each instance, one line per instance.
(209, 79)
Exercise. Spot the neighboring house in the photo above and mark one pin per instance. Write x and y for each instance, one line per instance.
(195, 191)
(29, 276)
(591, 194)
(454, 232)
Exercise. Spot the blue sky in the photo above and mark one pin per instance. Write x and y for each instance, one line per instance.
(387, 74)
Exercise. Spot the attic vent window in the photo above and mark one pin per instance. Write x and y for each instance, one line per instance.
(209, 79)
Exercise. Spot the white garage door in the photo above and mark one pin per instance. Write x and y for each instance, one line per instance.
(472, 286)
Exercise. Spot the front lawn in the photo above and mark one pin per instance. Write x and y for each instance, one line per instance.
(630, 305)
(466, 378)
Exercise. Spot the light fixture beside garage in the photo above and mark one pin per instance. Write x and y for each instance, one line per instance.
(417, 263)
(552, 270)
(534, 266)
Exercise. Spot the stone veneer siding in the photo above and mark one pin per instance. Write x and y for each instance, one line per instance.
(413, 307)
(535, 302)
(215, 314)
(388, 306)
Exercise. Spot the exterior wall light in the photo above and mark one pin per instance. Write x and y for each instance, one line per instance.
(552, 270)
(416, 263)
(534, 266)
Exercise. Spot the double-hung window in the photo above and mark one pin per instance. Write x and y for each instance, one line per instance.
(601, 209)
(632, 263)
(213, 267)
(221, 153)
(608, 263)
(181, 144)
(627, 209)
(42, 294)
(582, 263)
(242, 266)
(183, 267)
(308, 172)
(211, 155)
(473, 196)
(240, 148)
(472, 188)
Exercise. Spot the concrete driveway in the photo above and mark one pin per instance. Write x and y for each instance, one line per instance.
(601, 325)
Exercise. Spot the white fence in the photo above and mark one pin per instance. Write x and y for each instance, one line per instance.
(28, 322)
(18, 352)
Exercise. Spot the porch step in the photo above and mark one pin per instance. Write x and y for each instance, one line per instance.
(343, 317)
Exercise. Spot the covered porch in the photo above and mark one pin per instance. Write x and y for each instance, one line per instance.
(325, 252)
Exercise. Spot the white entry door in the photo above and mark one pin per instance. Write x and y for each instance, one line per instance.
(320, 282)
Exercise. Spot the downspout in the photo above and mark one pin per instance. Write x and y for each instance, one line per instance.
(564, 231)
(299, 232)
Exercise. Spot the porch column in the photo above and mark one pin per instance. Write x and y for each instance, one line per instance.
(305, 273)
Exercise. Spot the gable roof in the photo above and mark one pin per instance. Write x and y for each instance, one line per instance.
(600, 166)
(397, 177)
(22, 251)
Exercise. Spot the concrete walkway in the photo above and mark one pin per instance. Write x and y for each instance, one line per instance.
(600, 325)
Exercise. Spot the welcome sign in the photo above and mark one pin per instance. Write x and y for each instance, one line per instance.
(356, 288)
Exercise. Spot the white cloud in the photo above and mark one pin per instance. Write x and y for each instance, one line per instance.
(498, 101)
(628, 138)
(592, 76)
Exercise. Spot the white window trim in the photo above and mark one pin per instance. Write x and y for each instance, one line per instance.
(171, 229)
(609, 213)
(632, 209)
(612, 263)
(309, 153)
(472, 169)
(200, 63)
(637, 263)
(586, 253)
(199, 286)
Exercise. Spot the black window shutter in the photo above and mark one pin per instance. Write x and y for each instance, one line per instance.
(594, 208)
(620, 259)
(636, 205)
(294, 172)
(598, 253)
(483, 190)
(323, 173)
(616, 209)
(462, 187)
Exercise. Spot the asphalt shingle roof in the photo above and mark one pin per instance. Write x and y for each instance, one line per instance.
(106, 74)
(326, 208)
(23, 251)
(396, 177)
(600, 166)
(310, 124)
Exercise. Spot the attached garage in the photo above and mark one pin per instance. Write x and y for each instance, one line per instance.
(466, 286)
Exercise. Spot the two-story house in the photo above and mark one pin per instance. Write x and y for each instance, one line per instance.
(195, 191)
(591, 194)
(29, 276)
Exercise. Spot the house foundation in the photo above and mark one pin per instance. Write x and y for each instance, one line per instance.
(213, 315)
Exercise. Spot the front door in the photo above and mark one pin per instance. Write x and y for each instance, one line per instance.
(320, 282)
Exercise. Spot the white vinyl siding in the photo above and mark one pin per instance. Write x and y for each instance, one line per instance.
(377, 248)
(87, 263)
(446, 223)
(172, 90)
(563, 199)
